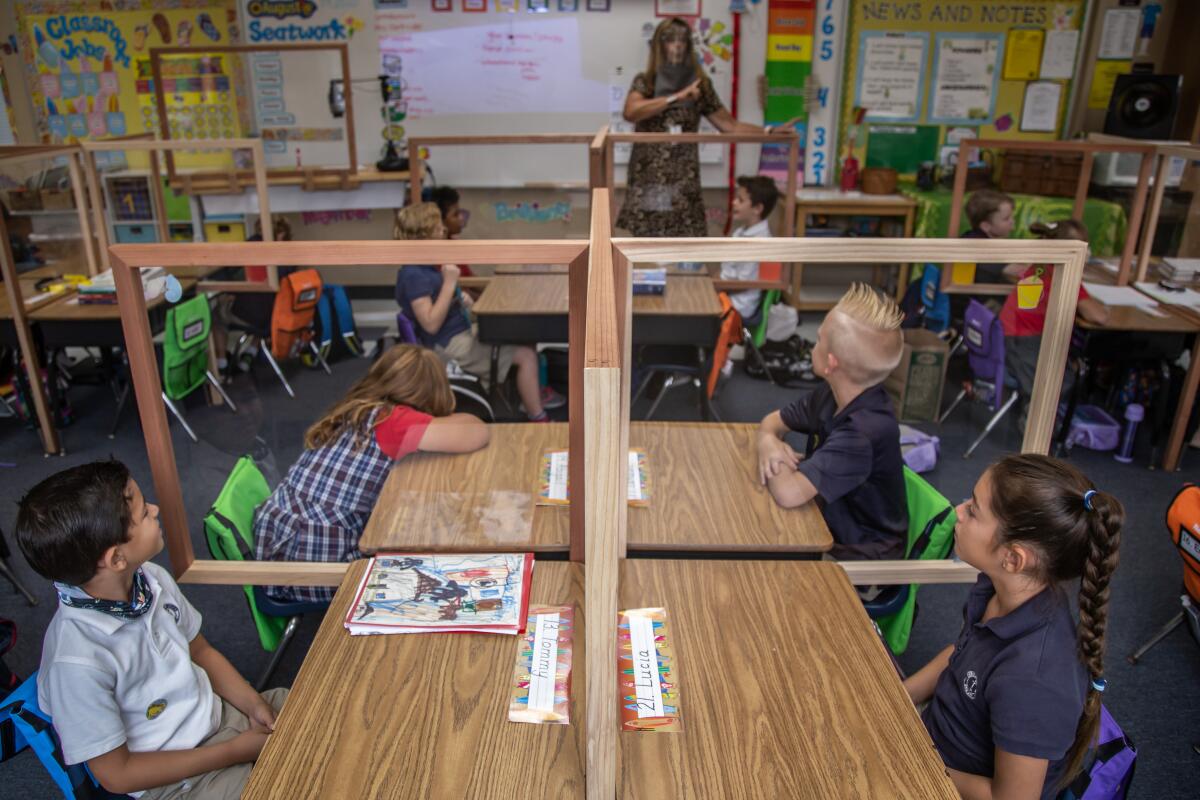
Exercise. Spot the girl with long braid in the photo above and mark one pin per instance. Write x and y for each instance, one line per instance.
(1014, 703)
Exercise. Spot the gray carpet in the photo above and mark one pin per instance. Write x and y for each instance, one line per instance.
(1157, 702)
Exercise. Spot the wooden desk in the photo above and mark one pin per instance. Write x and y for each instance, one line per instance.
(429, 501)
(980, 289)
(704, 496)
(834, 202)
(66, 322)
(422, 715)
(784, 689)
(531, 269)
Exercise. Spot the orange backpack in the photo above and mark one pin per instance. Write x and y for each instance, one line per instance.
(292, 317)
(1183, 521)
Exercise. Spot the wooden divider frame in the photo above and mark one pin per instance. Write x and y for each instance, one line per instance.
(416, 163)
(152, 146)
(1089, 150)
(241, 178)
(143, 366)
(23, 153)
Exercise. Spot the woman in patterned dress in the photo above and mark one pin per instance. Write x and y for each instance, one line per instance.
(663, 195)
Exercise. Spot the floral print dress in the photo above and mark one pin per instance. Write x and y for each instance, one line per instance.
(663, 195)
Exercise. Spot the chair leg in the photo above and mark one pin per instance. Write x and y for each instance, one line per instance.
(320, 358)
(216, 384)
(266, 351)
(667, 384)
(953, 405)
(707, 410)
(1012, 399)
(1163, 632)
(171, 407)
(641, 389)
(748, 343)
(277, 656)
(7, 572)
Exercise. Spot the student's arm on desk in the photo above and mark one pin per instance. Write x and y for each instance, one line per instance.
(431, 314)
(774, 454)
(791, 488)
(456, 433)
(1093, 311)
(1016, 778)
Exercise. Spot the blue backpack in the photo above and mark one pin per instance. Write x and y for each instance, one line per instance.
(24, 724)
(1110, 770)
(334, 332)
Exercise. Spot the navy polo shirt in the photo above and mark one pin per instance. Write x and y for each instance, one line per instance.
(853, 458)
(1014, 682)
(415, 282)
(986, 273)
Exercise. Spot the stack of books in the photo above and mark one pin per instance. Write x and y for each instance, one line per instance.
(1180, 269)
(650, 281)
(101, 290)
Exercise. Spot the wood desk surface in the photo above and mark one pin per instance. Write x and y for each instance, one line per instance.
(784, 689)
(1132, 318)
(69, 309)
(422, 715)
(545, 294)
(981, 289)
(704, 496)
(435, 501)
(28, 291)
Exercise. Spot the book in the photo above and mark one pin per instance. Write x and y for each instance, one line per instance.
(442, 593)
(649, 281)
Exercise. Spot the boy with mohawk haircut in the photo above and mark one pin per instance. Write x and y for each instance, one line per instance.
(852, 464)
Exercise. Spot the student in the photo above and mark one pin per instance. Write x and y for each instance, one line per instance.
(1023, 326)
(1014, 703)
(852, 462)
(991, 216)
(752, 204)
(429, 296)
(454, 219)
(133, 687)
(403, 404)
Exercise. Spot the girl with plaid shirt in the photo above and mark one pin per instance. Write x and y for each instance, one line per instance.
(403, 404)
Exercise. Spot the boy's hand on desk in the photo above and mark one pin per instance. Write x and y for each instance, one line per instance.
(774, 455)
(247, 745)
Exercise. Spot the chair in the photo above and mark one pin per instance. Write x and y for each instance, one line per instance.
(24, 724)
(931, 521)
(228, 528)
(185, 356)
(682, 365)
(984, 337)
(1183, 517)
(291, 323)
(471, 397)
(753, 340)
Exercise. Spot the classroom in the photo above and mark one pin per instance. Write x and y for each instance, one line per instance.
(775, 398)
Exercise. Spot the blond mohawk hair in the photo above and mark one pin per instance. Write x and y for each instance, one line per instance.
(864, 334)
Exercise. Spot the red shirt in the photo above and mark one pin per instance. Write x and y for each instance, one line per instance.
(1030, 322)
(400, 433)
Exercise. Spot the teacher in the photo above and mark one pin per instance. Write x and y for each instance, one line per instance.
(662, 196)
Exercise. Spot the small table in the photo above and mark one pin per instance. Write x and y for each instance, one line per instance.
(704, 496)
(422, 715)
(68, 323)
(785, 690)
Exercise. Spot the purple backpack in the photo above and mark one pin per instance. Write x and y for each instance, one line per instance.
(1110, 770)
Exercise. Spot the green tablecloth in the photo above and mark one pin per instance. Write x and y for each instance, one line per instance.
(1105, 221)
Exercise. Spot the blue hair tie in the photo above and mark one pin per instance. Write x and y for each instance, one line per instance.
(1100, 684)
(1087, 503)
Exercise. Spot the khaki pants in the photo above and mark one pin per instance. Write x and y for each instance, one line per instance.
(220, 784)
(475, 357)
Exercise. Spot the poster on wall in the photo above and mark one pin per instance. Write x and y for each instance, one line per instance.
(90, 78)
(890, 75)
(964, 78)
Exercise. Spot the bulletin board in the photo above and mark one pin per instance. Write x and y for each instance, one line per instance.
(995, 70)
(88, 67)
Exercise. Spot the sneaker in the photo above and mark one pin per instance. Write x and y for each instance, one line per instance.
(552, 399)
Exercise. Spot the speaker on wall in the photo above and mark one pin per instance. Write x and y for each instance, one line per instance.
(1143, 106)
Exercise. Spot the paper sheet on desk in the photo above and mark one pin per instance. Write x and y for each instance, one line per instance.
(1187, 297)
(1119, 296)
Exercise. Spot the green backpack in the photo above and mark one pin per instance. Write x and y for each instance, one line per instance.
(185, 350)
(931, 521)
(229, 529)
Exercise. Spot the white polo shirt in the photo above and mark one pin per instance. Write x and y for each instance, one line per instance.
(107, 681)
(746, 302)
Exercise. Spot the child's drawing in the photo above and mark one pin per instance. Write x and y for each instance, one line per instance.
(442, 590)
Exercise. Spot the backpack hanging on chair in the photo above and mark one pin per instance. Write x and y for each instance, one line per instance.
(292, 317)
(334, 331)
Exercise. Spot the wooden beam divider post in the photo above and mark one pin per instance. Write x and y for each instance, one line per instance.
(79, 193)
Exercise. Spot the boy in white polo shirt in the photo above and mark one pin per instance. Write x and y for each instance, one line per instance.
(131, 684)
(753, 203)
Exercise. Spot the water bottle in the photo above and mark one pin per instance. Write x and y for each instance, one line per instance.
(1134, 413)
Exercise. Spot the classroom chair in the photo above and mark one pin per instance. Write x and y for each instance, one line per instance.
(753, 340)
(229, 531)
(468, 389)
(24, 724)
(7, 571)
(185, 356)
(1183, 517)
(931, 521)
(291, 323)
(984, 337)
(681, 365)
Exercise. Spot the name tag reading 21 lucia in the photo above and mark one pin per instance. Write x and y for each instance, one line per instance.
(647, 680)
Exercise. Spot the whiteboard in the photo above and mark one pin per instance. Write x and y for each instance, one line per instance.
(480, 74)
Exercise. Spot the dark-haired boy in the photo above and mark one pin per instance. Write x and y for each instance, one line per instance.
(752, 204)
(131, 684)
